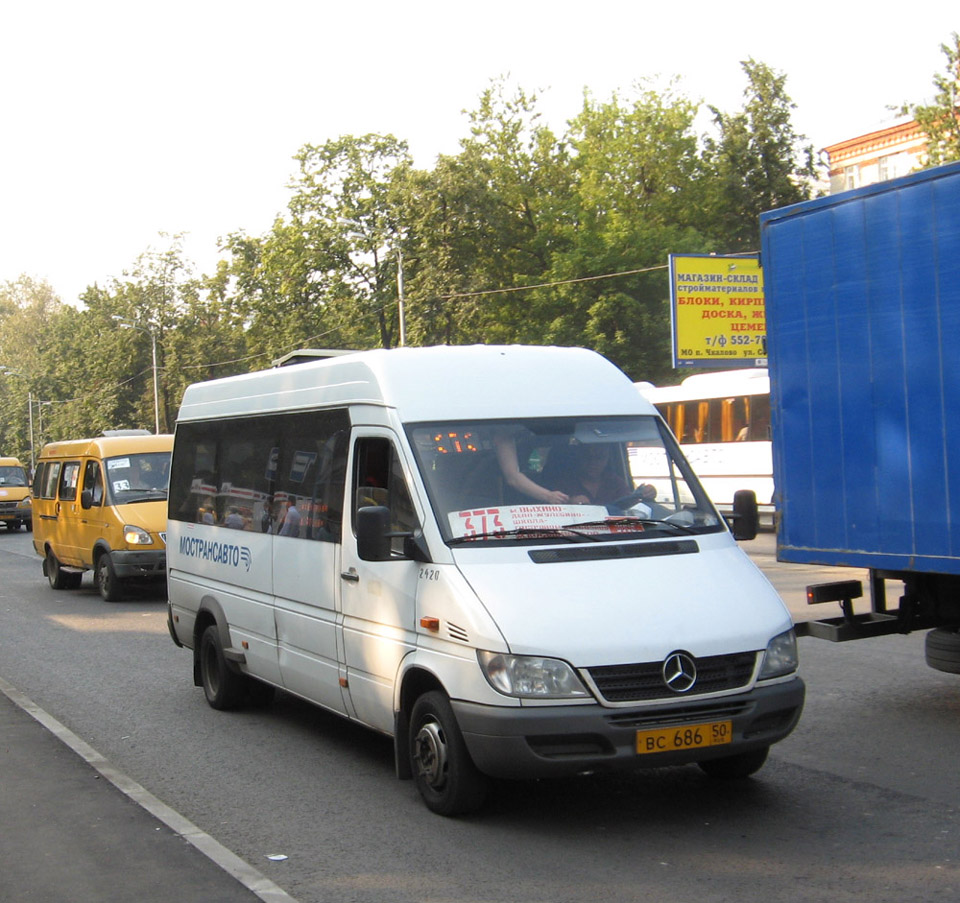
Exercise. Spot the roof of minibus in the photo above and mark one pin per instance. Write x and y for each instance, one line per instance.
(108, 446)
(428, 384)
(10, 462)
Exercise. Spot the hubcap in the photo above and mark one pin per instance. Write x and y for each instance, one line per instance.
(430, 753)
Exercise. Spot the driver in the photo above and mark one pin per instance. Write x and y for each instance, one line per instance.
(592, 481)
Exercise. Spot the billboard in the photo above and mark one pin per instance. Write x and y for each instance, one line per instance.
(717, 310)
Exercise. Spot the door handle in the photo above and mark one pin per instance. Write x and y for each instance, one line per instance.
(351, 575)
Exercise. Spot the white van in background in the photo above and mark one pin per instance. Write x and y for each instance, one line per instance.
(446, 545)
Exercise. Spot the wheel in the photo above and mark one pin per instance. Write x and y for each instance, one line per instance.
(58, 578)
(223, 687)
(105, 577)
(13, 525)
(741, 765)
(943, 649)
(445, 775)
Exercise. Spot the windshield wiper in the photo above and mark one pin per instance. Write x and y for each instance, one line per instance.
(626, 521)
(141, 495)
(568, 533)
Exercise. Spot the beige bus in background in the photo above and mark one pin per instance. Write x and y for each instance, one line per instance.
(101, 505)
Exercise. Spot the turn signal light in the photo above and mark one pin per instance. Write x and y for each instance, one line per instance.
(430, 623)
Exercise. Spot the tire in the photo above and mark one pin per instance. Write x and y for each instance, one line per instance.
(443, 771)
(731, 768)
(943, 649)
(223, 687)
(105, 577)
(59, 579)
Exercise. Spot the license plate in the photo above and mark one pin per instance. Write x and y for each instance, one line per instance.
(686, 736)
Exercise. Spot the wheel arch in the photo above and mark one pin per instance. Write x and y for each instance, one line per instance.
(414, 682)
(100, 548)
(209, 612)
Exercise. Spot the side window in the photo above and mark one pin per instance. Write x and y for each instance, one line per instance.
(310, 475)
(50, 479)
(38, 479)
(378, 480)
(193, 471)
(281, 474)
(240, 490)
(68, 481)
(93, 480)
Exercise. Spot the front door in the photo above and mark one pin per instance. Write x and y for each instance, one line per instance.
(91, 522)
(378, 598)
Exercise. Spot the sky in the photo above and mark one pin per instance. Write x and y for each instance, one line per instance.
(123, 122)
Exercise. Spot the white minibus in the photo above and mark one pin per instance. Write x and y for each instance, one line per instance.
(446, 545)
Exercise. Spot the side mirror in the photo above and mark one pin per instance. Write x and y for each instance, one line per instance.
(86, 499)
(746, 518)
(373, 533)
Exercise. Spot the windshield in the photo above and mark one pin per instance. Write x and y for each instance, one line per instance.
(562, 479)
(137, 477)
(11, 475)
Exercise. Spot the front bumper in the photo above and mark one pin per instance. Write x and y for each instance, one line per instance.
(148, 564)
(552, 741)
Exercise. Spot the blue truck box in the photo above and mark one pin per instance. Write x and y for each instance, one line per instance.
(863, 331)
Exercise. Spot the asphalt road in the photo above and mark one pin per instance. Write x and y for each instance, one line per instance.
(860, 803)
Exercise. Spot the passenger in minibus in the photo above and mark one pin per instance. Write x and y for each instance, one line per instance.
(506, 447)
(590, 479)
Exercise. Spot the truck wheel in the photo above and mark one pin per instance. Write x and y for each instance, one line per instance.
(741, 765)
(223, 687)
(105, 577)
(58, 578)
(442, 768)
(943, 649)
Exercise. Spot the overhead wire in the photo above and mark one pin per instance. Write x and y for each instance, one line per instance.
(309, 339)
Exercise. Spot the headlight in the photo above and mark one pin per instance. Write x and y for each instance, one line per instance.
(136, 536)
(530, 676)
(780, 657)
(24, 503)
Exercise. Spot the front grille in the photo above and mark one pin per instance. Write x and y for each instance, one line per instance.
(8, 507)
(644, 680)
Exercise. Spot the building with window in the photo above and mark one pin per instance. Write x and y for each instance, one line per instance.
(886, 153)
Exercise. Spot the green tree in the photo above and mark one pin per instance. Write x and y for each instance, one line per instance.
(757, 160)
(636, 193)
(326, 273)
(30, 312)
(482, 221)
(940, 119)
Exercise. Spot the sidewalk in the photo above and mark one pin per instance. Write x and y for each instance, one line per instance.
(67, 833)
